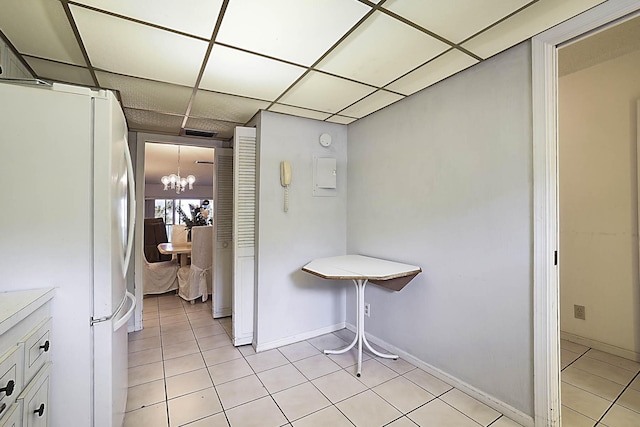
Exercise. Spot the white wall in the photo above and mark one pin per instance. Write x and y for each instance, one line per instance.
(290, 302)
(443, 180)
(599, 202)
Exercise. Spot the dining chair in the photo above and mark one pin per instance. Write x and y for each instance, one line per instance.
(179, 233)
(159, 277)
(155, 232)
(195, 280)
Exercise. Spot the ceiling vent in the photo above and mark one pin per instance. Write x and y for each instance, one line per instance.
(199, 133)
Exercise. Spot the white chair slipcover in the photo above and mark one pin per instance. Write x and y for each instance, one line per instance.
(195, 280)
(159, 277)
(178, 233)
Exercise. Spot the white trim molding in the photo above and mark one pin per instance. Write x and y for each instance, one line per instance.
(546, 293)
(297, 338)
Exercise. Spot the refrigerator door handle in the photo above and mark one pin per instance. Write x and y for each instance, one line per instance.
(132, 209)
(124, 319)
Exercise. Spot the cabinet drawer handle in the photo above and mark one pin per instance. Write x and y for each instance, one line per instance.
(8, 389)
(40, 410)
(45, 346)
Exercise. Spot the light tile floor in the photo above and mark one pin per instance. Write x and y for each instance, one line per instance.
(598, 388)
(183, 370)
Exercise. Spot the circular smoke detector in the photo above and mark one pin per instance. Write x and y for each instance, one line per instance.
(325, 140)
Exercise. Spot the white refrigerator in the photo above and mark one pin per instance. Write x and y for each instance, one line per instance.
(67, 221)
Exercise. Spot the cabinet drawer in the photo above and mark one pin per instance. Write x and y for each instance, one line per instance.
(13, 417)
(36, 349)
(35, 400)
(10, 377)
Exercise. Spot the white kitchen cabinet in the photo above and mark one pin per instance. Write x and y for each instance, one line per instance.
(25, 343)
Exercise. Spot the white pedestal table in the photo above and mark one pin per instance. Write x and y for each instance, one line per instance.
(361, 270)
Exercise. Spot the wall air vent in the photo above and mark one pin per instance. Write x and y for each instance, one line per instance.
(199, 133)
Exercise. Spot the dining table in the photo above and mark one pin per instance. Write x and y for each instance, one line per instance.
(182, 249)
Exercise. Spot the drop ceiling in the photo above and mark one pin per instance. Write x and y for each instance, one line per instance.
(212, 64)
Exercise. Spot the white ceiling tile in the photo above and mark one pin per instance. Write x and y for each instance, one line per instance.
(454, 20)
(381, 49)
(60, 72)
(125, 47)
(223, 129)
(150, 121)
(371, 103)
(197, 17)
(236, 72)
(40, 28)
(432, 72)
(213, 105)
(147, 94)
(341, 119)
(525, 24)
(319, 91)
(296, 31)
(297, 111)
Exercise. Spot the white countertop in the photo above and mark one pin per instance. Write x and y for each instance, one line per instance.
(17, 305)
(359, 267)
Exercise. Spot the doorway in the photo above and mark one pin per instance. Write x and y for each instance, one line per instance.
(545, 199)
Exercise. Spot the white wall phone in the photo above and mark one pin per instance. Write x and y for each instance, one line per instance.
(285, 181)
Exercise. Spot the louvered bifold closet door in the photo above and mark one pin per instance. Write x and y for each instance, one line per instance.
(223, 231)
(244, 233)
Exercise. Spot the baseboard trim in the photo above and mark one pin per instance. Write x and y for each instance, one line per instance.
(508, 410)
(599, 345)
(297, 338)
(225, 312)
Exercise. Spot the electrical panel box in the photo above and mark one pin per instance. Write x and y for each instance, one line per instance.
(325, 176)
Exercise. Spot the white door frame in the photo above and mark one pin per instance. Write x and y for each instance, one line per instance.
(546, 291)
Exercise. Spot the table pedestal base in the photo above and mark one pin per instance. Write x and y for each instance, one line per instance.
(360, 337)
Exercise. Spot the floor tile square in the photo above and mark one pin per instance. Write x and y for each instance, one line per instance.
(428, 382)
(181, 318)
(266, 360)
(151, 323)
(221, 355)
(208, 331)
(583, 402)
(188, 383)
(329, 416)
(403, 394)
(202, 322)
(630, 399)
(144, 357)
(301, 400)
(614, 360)
(241, 391)
(229, 371)
(299, 350)
(181, 349)
(183, 364)
(217, 420)
(327, 342)
(193, 406)
(592, 383)
(145, 373)
(471, 407)
(316, 366)
(574, 347)
(604, 370)
(567, 357)
(345, 335)
(437, 414)
(259, 413)
(172, 338)
(635, 384)
(280, 378)
(506, 422)
(146, 394)
(368, 409)
(246, 350)
(175, 327)
(144, 344)
(170, 312)
(397, 365)
(339, 385)
(402, 422)
(619, 416)
(214, 341)
(155, 415)
(373, 373)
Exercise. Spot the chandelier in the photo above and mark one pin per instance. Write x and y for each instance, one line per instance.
(177, 182)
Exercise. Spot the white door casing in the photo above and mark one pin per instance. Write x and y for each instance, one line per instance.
(546, 292)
